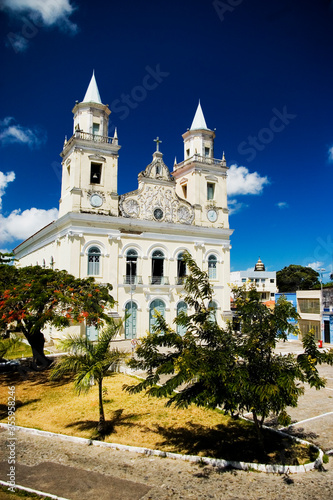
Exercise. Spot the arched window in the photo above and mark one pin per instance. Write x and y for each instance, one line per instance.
(181, 268)
(94, 259)
(156, 305)
(130, 323)
(131, 266)
(92, 333)
(157, 268)
(213, 306)
(44, 263)
(212, 265)
(52, 262)
(181, 308)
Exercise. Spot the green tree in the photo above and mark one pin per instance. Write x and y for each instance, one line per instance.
(6, 258)
(33, 297)
(267, 382)
(212, 366)
(295, 277)
(89, 362)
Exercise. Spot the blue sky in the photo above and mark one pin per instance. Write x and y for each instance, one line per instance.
(262, 70)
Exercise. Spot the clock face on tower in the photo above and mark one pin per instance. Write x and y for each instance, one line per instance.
(212, 215)
(96, 200)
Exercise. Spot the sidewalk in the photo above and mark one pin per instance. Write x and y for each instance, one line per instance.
(296, 346)
(74, 483)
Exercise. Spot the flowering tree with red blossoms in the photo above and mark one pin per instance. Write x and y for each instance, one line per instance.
(33, 297)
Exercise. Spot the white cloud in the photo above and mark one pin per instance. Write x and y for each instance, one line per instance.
(4, 181)
(282, 204)
(20, 225)
(11, 132)
(49, 12)
(315, 265)
(241, 181)
(235, 206)
(330, 154)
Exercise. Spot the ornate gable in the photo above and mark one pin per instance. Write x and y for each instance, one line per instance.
(156, 197)
(157, 170)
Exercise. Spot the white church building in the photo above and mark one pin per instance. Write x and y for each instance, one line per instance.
(135, 240)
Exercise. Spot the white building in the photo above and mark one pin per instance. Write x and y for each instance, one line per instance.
(309, 307)
(135, 241)
(264, 281)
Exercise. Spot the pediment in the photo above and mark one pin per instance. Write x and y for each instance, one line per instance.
(157, 170)
(156, 202)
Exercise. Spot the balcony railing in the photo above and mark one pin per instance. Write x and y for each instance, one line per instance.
(202, 159)
(159, 280)
(86, 136)
(132, 280)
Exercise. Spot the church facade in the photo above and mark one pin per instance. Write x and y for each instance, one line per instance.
(135, 241)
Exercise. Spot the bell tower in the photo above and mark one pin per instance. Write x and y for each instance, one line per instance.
(90, 159)
(200, 178)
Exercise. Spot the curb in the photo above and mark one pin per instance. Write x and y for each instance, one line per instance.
(215, 462)
(29, 490)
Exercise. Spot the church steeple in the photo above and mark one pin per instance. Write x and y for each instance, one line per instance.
(92, 94)
(201, 178)
(199, 122)
(199, 139)
(90, 159)
(91, 115)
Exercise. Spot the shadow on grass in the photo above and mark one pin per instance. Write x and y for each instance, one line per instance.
(118, 419)
(235, 441)
(18, 404)
(33, 377)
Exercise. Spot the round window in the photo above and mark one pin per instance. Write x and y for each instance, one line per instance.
(158, 213)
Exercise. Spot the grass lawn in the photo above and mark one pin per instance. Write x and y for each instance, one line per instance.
(21, 350)
(19, 494)
(137, 420)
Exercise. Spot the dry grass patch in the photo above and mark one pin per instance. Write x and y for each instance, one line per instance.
(137, 420)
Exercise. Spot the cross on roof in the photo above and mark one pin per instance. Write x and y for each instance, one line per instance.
(157, 140)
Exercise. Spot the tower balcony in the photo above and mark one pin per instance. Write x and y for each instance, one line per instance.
(202, 160)
(86, 138)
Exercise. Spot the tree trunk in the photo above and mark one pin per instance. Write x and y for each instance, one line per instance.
(259, 430)
(37, 341)
(101, 423)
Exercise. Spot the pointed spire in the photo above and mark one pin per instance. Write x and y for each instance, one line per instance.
(92, 94)
(199, 121)
(175, 162)
(115, 137)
